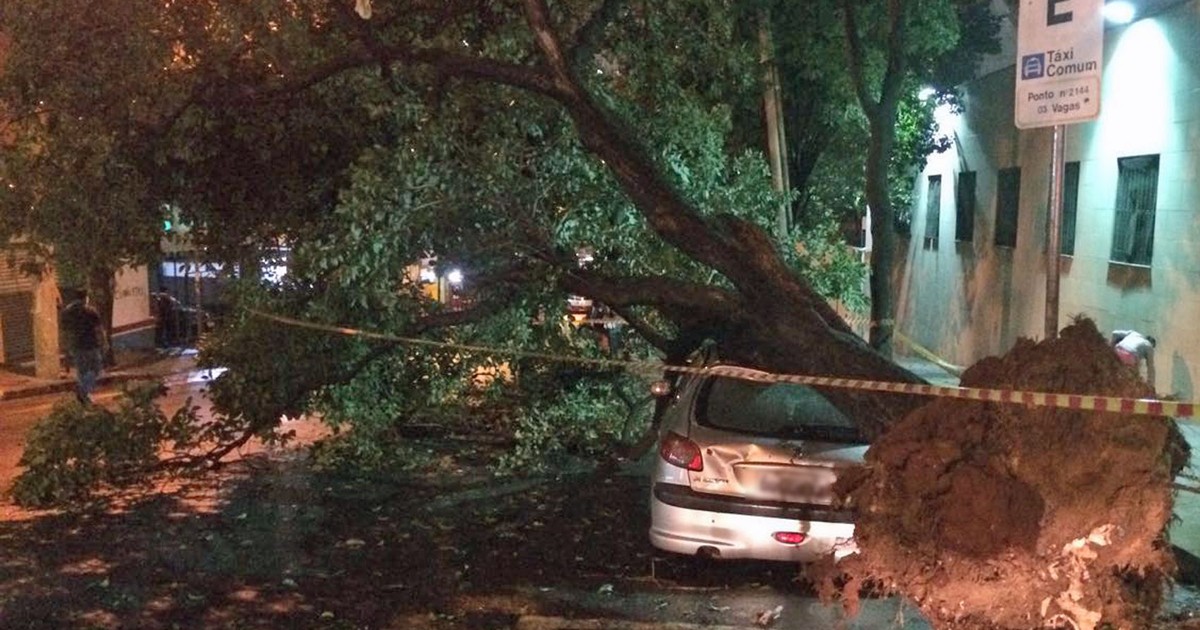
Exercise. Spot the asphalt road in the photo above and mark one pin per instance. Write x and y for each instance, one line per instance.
(736, 602)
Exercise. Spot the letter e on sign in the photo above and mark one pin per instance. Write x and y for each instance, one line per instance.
(1060, 58)
(1053, 14)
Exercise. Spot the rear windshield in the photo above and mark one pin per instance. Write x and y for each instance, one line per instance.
(783, 410)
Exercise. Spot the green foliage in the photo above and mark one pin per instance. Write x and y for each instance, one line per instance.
(77, 449)
(827, 131)
(369, 414)
(78, 86)
(916, 139)
(365, 172)
(272, 369)
(834, 270)
(586, 416)
(497, 184)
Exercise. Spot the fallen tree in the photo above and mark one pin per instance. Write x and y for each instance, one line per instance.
(985, 515)
(993, 515)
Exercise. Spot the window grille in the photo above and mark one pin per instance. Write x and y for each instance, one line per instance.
(964, 207)
(933, 211)
(1008, 200)
(1137, 198)
(1070, 209)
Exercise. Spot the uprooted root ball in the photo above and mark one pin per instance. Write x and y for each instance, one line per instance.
(1007, 516)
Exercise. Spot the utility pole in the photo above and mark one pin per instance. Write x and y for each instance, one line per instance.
(773, 117)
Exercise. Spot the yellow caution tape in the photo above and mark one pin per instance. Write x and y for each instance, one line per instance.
(1111, 404)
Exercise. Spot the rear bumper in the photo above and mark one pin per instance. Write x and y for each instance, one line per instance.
(684, 497)
(683, 521)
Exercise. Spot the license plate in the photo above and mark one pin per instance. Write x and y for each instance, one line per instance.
(801, 485)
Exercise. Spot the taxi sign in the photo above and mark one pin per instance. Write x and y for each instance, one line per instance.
(1060, 58)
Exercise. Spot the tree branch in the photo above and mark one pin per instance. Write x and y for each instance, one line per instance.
(893, 78)
(538, 16)
(855, 61)
(671, 295)
(447, 62)
(643, 328)
(639, 176)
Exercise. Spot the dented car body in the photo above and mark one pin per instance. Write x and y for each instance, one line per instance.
(747, 469)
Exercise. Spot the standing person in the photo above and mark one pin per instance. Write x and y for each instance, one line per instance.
(85, 344)
(1133, 348)
(166, 311)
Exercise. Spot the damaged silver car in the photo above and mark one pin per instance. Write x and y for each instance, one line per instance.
(746, 470)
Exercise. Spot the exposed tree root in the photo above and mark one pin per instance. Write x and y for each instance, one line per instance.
(1004, 516)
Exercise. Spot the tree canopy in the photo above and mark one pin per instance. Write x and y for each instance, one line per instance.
(500, 137)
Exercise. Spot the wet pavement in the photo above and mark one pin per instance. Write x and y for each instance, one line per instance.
(161, 363)
(734, 607)
(739, 605)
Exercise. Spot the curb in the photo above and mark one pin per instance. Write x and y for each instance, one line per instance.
(41, 389)
(538, 622)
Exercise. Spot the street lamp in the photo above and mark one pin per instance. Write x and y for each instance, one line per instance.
(1119, 12)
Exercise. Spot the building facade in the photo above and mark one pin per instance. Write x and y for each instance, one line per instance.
(972, 275)
(17, 291)
(29, 314)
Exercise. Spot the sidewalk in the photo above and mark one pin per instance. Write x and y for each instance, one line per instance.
(130, 366)
(927, 370)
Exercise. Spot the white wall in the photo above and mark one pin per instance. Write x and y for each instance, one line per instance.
(131, 303)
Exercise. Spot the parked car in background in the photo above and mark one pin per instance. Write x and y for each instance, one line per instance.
(746, 470)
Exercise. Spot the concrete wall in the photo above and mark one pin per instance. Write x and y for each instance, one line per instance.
(133, 325)
(973, 299)
(16, 300)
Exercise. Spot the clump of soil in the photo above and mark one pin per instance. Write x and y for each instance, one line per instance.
(1006, 516)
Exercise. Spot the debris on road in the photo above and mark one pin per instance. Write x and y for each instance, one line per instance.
(537, 622)
(768, 617)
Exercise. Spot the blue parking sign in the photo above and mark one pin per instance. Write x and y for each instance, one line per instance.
(1033, 66)
(1059, 62)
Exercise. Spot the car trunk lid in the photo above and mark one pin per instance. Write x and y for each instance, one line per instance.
(792, 471)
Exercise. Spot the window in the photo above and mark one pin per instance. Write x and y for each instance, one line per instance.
(184, 269)
(784, 410)
(1008, 199)
(1137, 197)
(1066, 234)
(933, 211)
(964, 207)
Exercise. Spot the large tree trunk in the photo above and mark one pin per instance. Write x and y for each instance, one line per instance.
(881, 116)
(883, 232)
(777, 322)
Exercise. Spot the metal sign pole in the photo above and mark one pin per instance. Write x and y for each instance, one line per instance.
(1060, 58)
(1054, 229)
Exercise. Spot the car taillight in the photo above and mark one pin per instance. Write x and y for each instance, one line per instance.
(680, 451)
(790, 538)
